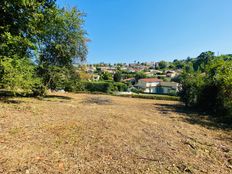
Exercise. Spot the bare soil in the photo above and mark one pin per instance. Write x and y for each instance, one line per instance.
(83, 133)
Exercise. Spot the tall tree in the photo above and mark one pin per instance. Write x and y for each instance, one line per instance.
(202, 60)
(18, 28)
(61, 42)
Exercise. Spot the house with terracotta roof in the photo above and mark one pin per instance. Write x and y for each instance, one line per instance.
(156, 86)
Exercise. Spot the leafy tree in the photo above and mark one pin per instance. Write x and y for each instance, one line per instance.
(18, 25)
(139, 75)
(163, 64)
(18, 28)
(106, 76)
(61, 42)
(18, 75)
(40, 33)
(202, 60)
(117, 76)
(210, 90)
(191, 84)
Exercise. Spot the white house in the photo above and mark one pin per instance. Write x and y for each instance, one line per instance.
(149, 85)
(156, 86)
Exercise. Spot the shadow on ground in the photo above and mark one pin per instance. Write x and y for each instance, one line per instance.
(57, 97)
(9, 100)
(98, 100)
(193, 116)
(8, 97)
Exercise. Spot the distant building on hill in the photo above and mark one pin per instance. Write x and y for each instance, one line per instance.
(156, 86)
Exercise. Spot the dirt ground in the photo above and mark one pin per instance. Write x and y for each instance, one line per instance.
(83, 133)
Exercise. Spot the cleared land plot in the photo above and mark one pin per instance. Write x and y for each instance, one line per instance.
(83, 133)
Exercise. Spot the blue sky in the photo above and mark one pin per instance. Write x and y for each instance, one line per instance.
(153, 30)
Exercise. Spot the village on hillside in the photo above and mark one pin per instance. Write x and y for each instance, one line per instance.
(148, 77)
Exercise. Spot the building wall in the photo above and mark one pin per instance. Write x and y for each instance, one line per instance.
(157, 90)
(158, 87)
(143, 84)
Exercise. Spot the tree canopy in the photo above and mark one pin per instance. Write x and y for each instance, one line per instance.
(36, 39)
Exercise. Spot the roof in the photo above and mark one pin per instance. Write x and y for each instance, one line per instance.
(169, 84)
(150, 80)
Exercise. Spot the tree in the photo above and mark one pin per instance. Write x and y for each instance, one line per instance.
(202, 60)
(61, 42)
(18, 75)
(191, 86)
(139, 75)
(163, 64)
(40, 33)
(106, 76)
(19, 25)
(18, 28)
(210, 90)
(117, 76)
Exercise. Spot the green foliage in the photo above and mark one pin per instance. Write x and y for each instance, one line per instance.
(202, 60)
(117, 76)
(63, 38)
(210, 90)
(39, 39)
(163, 64)
(106, 76)
(153, 96)
(17, 75)
(191, 88)
(139, 75)
(118, 86)
(103, 87)
(136, 90)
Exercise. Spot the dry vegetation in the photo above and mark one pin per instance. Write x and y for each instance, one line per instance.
(80, 133)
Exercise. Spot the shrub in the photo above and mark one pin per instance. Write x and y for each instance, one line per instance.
(118, 86)
(97, 86)
(210, 91)
(39, 90)
(18, 75)
(103, 87)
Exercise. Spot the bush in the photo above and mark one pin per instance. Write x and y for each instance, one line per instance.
(122, 87)
(39, 90)
(210, 91)
(103, 87)
(135, 90)
(18, 75)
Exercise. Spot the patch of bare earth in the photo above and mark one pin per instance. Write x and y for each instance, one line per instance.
(80, 133)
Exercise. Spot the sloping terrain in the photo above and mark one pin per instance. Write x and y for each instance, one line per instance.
(81, 133)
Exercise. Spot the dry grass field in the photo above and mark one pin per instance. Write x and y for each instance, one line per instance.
(83, 133)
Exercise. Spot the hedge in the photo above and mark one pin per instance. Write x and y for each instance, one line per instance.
(104, 87)
(152, 96)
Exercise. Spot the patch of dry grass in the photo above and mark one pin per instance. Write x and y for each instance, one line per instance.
(83, 133)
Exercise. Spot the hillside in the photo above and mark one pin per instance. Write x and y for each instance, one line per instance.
(81, 133)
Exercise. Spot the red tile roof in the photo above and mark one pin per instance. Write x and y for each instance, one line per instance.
(150, 80)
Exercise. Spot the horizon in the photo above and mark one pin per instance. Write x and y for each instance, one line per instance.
(154, 30)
